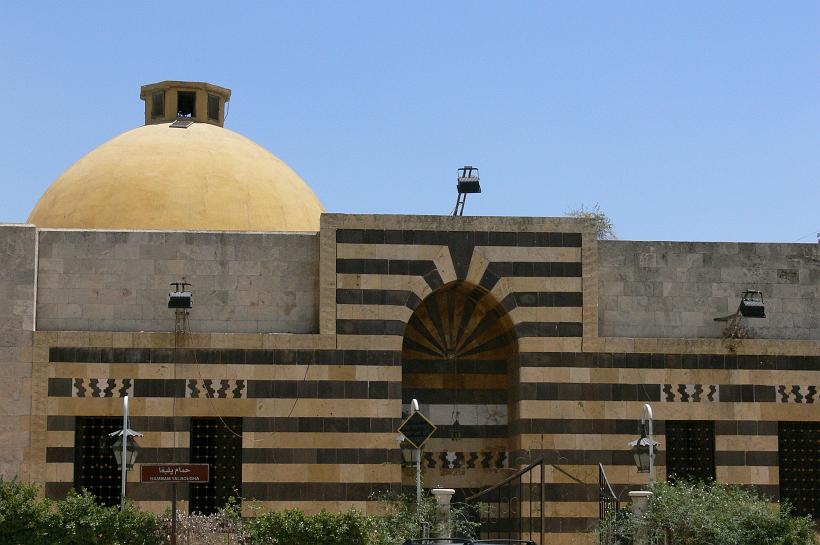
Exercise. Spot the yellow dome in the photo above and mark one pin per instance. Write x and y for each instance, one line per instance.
(203, 177)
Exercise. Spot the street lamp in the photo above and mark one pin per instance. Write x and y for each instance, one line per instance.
(409, 453)
(645, 447)
(131, 449)
(125, 450)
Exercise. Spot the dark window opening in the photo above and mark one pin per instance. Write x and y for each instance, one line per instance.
(158, 104)
(186, 104)
(95, 468)
(213, 107)
(690, 450)
(799, 460)
(218, 442)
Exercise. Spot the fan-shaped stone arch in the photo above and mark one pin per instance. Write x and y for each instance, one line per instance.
(457, 353)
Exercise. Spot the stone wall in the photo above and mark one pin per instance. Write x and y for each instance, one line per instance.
(676, 289)
(18, 251)
(119, 280)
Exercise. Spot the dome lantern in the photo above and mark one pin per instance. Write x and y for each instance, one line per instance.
(169, 101)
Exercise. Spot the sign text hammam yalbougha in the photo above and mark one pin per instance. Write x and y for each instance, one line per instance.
(174, 473)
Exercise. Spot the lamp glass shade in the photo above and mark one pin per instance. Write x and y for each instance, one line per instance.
(641, 455)
(640, 452)
(131, 451)
(409, 453)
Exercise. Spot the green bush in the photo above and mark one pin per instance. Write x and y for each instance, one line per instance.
(293, 527)
(25, 519)
(713, 513)
(401, 519)
(80, 520)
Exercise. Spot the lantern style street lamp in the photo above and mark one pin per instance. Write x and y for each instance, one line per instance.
(125, 449)
(409, 453)
(645, 447)
(131, 449)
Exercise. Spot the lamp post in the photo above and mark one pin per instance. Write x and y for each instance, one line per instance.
(410, 454)
(645, 447)
(125, 452)
(414, 407)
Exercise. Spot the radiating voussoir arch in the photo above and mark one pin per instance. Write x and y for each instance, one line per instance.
(459, 322)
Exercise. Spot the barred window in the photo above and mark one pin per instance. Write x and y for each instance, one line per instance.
(95, 468)
(218, 442)
(690, 450)
(213, 107)
(158, 104)
(799, 459)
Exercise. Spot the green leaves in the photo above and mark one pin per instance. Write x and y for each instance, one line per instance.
(294, 527)
(23, 516)
(25, 519)
(713, 513)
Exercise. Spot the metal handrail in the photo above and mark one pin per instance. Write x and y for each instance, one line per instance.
(512, 477)
(602, 473)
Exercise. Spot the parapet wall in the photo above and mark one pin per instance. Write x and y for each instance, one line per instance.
(676, 289)
(119, 280)
(17, 280)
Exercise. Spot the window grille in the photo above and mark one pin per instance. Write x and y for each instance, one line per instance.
(213, 107)
(217, 442)
(95, 468)
(799, 459)
(158, 104)
(690, 450)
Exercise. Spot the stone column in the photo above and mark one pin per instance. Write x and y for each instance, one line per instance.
(443, 497)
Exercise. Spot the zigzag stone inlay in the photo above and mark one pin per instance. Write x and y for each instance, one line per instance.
(454, 460)
(195, 388)
(691, 393)
(101, 387)
(797, 393)
(216, 388)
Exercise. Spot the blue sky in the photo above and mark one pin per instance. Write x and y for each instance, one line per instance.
(685, 121)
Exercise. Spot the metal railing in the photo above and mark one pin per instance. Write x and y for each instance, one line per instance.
(513, 508)
(608, 507)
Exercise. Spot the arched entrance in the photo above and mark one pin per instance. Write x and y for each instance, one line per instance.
(456, 360)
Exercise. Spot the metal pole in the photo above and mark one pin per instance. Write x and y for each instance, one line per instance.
(174, 514)
(646, 418)
(414, 407)
(541, 508)
(418, 477)
(124, 459)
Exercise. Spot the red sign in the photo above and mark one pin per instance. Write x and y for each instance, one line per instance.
(174, 473)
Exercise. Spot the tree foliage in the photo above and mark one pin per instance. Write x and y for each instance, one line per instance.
(27, 519)
(713, 513)
(597, 219)
(401, 519)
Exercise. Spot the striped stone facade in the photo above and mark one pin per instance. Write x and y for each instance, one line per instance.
(491, 323)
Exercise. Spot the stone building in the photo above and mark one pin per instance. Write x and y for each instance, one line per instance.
(522, 338)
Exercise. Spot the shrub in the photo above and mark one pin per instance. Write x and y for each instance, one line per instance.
(80, 520)
(293, 527)
(24, 518)
(402, 519)
(712, 513)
